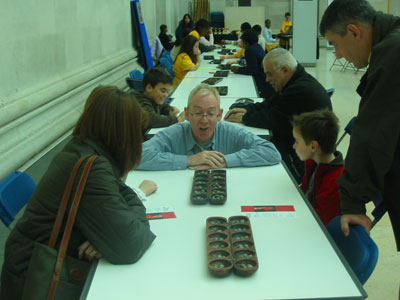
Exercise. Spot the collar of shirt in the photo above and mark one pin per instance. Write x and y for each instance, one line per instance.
(192, 147)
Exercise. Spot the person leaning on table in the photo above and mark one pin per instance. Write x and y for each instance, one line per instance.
(296, 92)
(204, 142)
(366, 37)
(111, 220)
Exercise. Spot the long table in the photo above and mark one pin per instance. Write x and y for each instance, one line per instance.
(237, 86)
(297, 259)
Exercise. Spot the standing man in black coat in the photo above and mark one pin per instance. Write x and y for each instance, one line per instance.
(296, 92)
(372, 167)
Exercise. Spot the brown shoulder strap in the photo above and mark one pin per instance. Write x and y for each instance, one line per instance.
(64, 203)
(68, 228)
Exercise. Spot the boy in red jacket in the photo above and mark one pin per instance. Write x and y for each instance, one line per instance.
(315, 135)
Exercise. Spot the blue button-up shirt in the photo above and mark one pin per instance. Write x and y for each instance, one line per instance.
(169, 149)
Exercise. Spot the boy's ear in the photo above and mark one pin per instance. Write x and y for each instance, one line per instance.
(148, 87)
(314, 146)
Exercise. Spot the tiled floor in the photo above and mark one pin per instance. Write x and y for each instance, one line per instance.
(384, 282)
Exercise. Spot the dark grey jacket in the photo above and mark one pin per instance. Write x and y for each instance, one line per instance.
(159, 114)
(110, 216)
(372, 165)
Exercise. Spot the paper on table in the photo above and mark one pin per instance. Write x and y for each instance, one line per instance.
(269, 211)
(164, 212)
(159, 209)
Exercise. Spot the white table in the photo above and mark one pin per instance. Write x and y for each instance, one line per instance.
(238, 87)
(296, 260)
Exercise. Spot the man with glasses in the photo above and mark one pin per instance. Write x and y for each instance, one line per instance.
(204, 142)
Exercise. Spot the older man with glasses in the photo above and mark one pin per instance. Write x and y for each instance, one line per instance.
(204, 142)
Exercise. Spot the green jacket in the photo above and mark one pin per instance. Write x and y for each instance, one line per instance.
(159, 114)
(110, 216)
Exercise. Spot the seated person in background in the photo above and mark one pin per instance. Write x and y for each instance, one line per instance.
(267, 33)
(157, 84)
(185, 24)
(243, 27)
(202, 29)
(165, 38)
(110, 127)
(204, 142)
(254, 55)
(261, 40)
(285, 27)
(237, 56)
(187, 60)
(177, 44)
(296, 92)
(315, 135)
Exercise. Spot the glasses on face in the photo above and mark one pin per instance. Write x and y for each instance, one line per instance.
(199, 115)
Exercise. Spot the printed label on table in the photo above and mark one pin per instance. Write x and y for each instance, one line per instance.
(269, 211)
(163, 215)
(156, 213)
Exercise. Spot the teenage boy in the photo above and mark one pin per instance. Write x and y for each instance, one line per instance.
(157, 84)
(165, 38)
(315, 135)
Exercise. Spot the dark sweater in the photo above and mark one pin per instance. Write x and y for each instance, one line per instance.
(159, 114)
(254, 56)
(373, 159)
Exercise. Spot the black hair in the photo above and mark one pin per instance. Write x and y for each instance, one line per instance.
(190, 24)
(250, 37)
(266, 21)
(245, 26)
(202, 24)
(321, 126)
(287, 14)
(257, 28)
(343, 12)
(187, 47)
(162, 27)
(185, 32)
(154, 76)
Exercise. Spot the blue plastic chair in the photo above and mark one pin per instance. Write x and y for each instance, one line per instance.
(347, 130)
(164, 62)
(136, 74)
(358, 248)
(134, 80)
(330, 92)
(15, 191)
(168, 56)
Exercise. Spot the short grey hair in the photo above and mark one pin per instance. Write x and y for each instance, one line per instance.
(203, 89)
(279, 58)
(340, 13)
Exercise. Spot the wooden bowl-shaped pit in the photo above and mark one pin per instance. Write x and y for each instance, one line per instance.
(218, 236)
(245, 267)
(220, 267)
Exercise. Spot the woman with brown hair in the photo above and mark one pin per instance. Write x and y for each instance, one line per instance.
(111, 220)
(187, 60)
